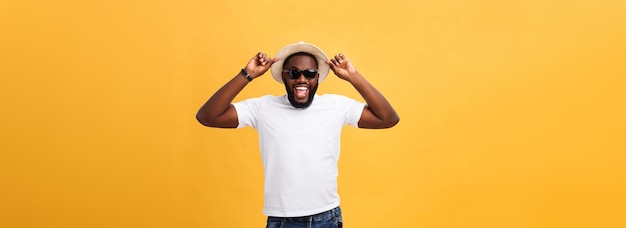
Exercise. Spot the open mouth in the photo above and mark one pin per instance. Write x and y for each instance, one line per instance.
(301, 91)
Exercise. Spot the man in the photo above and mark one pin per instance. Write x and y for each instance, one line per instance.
(299, 132)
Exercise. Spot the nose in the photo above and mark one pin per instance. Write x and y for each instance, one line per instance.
(301, 78)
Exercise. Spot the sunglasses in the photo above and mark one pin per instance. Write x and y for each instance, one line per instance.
(294, 74)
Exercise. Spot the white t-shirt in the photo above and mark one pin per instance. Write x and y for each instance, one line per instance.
(299, 149)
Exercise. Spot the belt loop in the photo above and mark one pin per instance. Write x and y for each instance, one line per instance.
(333, 212)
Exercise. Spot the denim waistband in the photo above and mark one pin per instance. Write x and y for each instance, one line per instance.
(324, 216)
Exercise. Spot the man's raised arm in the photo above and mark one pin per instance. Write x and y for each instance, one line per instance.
(218, 110)
(378, 113)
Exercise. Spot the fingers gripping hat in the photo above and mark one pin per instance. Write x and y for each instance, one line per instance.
(322, 66)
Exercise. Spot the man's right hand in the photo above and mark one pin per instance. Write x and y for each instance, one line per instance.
(259, 64)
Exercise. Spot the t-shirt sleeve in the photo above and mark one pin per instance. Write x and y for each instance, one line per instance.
(247, 111)
(351, 110)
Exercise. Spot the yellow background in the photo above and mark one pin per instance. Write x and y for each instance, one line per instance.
(512, 112)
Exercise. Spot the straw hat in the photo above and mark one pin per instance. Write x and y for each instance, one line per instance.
(322, 66)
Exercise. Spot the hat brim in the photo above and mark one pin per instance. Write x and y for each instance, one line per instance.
(322, 67)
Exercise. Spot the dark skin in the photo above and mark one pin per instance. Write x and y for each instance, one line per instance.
(300, 62)
(218, 111)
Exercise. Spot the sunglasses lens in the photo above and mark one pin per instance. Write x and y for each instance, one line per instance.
(310, 73)
(294, 74)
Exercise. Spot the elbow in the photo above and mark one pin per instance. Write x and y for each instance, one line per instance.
(203, 121)
(216, 122)
(395, 122)
(379, 123)
(392, 122)
(384, 123)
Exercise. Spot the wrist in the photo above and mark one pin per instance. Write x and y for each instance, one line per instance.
(245, 74)
(354, 77)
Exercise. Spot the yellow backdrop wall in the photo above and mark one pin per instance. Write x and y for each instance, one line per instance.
(512, 112)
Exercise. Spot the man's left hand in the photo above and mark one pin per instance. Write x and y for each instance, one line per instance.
(342, 67)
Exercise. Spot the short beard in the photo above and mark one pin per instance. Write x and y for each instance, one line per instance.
(292, 97)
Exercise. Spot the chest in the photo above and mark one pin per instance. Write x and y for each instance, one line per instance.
(314, 122)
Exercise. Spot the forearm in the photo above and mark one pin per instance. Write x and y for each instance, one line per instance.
(221, 100)
(376, 102)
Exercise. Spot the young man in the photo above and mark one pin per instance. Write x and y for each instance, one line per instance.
(299, 132)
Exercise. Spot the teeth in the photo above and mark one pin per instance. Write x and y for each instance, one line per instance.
(301, 88)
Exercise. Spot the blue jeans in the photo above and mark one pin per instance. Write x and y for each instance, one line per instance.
(327, 219)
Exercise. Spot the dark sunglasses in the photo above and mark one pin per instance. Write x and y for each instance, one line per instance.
(294, 74)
